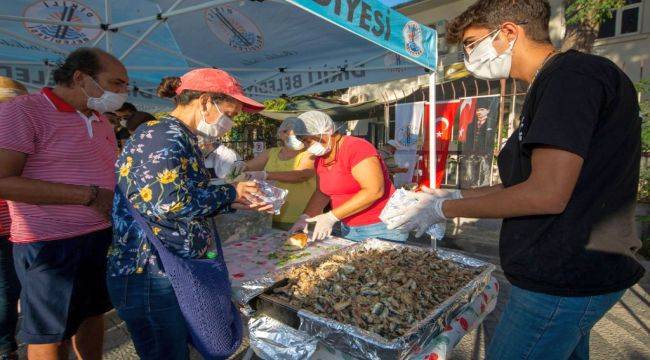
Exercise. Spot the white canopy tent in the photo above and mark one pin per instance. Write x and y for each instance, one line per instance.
(274, 47)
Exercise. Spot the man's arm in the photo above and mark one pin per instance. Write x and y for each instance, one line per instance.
(16, 188)
(482, 191)
(547, 191)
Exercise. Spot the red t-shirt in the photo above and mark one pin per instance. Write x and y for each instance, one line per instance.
(337, 182)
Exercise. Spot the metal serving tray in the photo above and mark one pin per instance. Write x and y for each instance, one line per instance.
(363, 344)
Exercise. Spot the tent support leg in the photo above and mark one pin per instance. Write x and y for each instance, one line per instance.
(432, 130)
(432, 140)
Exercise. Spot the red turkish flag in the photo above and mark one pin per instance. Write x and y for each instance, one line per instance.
(445, 115)
(467, 114)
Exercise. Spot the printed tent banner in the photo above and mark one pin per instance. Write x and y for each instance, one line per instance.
(274, 47)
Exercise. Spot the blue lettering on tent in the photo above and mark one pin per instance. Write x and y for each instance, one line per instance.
(361, 14)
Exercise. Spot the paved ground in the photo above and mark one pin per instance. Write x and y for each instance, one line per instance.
(624, 333)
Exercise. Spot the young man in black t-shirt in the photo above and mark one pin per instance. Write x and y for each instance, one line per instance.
(570, 175)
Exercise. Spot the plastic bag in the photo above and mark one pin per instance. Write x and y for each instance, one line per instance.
(397, 205)
(270, 194)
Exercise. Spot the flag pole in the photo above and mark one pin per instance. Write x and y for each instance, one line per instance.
(432, 130)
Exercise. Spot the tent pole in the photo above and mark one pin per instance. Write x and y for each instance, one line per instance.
(50, 22)
(33, 42)
(432, 130)
(14, 62)
(168, 14)
(99, 39)
(148, 31)
(107, 13)
(164, 49)
(140, 39)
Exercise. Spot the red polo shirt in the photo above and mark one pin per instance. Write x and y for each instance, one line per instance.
(62, 146)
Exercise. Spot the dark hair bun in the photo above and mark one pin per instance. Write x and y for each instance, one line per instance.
(168, 86)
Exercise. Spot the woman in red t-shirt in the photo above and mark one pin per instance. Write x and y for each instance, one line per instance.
(351, 176)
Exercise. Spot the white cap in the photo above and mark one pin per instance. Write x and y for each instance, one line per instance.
(313, 123)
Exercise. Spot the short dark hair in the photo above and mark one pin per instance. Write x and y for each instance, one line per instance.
(127, 106)
(532, 15)
(86, 60)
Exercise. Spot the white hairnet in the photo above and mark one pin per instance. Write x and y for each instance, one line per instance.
(314, 123)
(287, 124)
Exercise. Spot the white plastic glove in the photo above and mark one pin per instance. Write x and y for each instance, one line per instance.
(324, 224)
(420, 217)
(444, 193)
(300, 225)
(256, 175)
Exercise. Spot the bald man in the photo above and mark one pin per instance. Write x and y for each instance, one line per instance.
(57, 153)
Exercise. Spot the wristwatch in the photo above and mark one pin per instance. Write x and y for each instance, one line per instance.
(93, 195)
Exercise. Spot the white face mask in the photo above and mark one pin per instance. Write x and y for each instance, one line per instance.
(108, 102)
(317, 149)
(293, 143)
(485, 63)
(222, 125)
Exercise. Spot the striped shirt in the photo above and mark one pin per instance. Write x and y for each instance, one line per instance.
(5, 220)
(62, 146)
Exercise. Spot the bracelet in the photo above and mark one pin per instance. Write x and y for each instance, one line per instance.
(93, 195)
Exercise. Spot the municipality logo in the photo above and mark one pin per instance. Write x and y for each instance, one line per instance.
(65, 11)
(234, 29)
(412, 33)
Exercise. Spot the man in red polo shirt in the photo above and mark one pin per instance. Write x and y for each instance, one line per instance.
(57, 154)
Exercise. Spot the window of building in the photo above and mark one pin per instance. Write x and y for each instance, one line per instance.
(624, 21)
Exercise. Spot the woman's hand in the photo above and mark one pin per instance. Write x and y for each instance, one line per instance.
(324, 224)
(247, 198)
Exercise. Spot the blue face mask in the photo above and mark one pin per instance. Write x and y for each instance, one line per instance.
(293, 143)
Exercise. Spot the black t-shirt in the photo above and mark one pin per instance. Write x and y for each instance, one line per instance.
(586, 105)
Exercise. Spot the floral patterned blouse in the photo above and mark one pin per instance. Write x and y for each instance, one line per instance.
(161, 171)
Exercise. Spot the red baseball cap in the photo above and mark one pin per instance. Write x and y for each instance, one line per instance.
(217, 81)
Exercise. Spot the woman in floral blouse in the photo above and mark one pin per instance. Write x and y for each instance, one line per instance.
(161, 172)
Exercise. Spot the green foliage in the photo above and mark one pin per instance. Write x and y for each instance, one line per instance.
(591, 12)
(255, 126)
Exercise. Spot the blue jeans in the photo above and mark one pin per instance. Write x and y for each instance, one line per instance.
(9, 291)
(539, 326)
(147, 304)
(377, 231)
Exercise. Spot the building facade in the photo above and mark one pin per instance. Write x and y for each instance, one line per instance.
(625, 38)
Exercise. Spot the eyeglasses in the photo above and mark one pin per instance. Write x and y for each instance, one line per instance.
(468, 48)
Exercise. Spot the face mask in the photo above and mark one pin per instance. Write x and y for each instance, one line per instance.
(485, 63)
(221, 126)
(317, 149)
(108, 102)
(293, 143)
